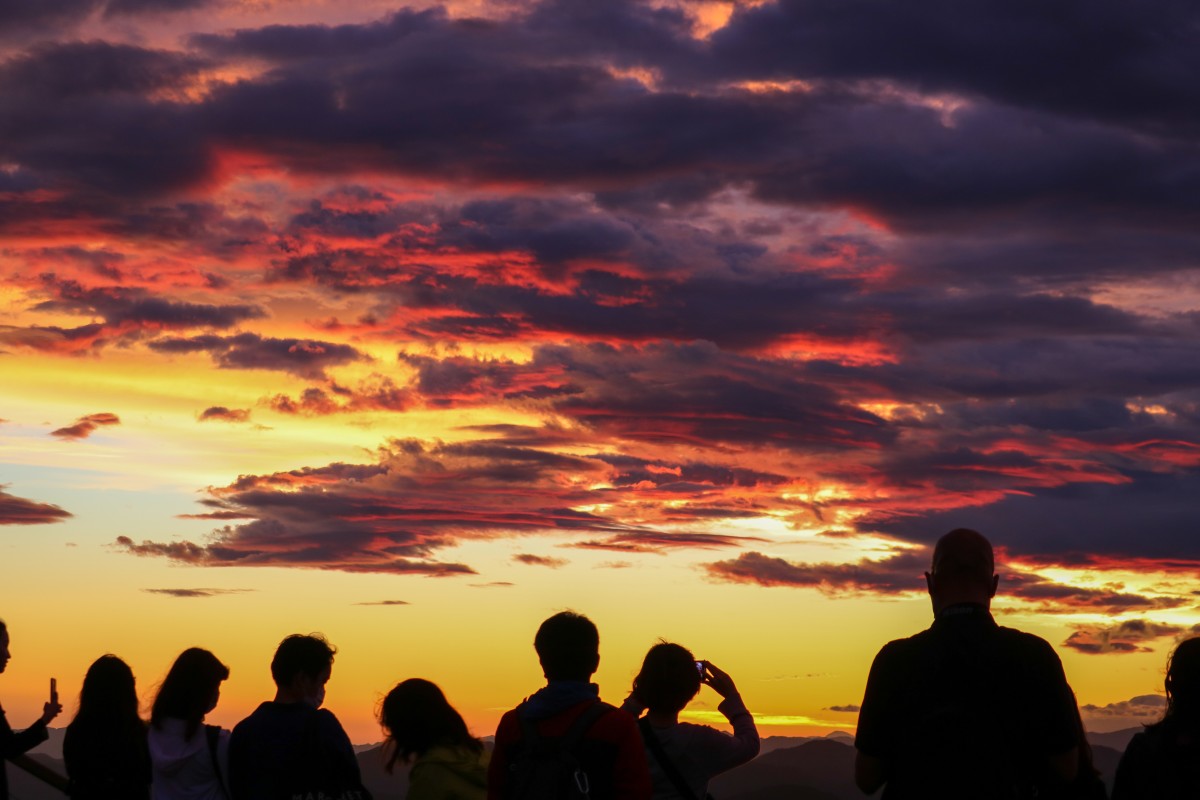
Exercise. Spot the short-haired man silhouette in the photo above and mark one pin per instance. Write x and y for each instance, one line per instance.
(291, 747)
(609, 749)
(965, 709)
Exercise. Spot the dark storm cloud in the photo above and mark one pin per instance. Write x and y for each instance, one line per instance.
(58, 72)
(20, 511)
(25, 16)
(120, 305)
(118, 8)
(86, 426)
(1152, 516)
(129, 314)
(1107, 60)
(284, 43)
(892, 575)
(694, 393)
(307, 358)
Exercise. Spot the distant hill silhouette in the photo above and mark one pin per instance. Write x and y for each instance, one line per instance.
(790, 768)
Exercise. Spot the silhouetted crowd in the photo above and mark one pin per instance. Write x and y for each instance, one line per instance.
(965, 710)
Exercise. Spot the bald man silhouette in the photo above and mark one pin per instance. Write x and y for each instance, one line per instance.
(966, 709)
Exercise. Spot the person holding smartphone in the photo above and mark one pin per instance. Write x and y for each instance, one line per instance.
(13, 744)
(683, 757)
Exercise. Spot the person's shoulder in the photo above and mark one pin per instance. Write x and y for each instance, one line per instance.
(905, 647)
(1025, 642)
(613, 722)
(327, 720)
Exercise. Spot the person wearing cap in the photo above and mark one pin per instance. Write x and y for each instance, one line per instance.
(966, 709)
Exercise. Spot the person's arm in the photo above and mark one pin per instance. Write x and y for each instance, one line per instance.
(14, 743)
(873, 737)
(498, 766)
(719, 751)
(1060, 729)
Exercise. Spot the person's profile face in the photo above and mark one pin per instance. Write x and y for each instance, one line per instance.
(312, 687)
(4, 654)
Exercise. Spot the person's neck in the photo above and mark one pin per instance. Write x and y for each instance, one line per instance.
(662, 719)
(287, 695)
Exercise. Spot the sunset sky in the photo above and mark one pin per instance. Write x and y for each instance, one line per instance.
(413, 325)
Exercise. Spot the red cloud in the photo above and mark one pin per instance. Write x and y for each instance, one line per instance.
(85, 426)
(19, 511)
(225, 414)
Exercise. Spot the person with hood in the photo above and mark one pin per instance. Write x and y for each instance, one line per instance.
(424, 730)
(189, 759)
(595, 749)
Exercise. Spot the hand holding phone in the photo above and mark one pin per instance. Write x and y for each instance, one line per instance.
(51, 708)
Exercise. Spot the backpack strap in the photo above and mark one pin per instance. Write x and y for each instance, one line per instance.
(664, 761)
(568, 741)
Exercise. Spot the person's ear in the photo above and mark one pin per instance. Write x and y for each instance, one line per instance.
(929, 583)
(995, 585)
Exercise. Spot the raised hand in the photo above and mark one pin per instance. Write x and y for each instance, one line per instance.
(720, 681)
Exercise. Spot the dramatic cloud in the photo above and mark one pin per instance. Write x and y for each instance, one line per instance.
(385, 603)
(893, 575)
(19, 511)
(86, 426)
(849, 708)
(306, 358)
(662, 280)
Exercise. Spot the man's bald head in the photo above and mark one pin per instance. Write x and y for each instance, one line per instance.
(963, 552)
(963, 569)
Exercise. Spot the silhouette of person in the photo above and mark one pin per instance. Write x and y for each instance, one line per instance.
(1163, 761)
(966, 709)
(105, 750)
(189, 760)
(424, 730)
(13, 744)
(603, 740)
(683, 757)
(290, 746)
